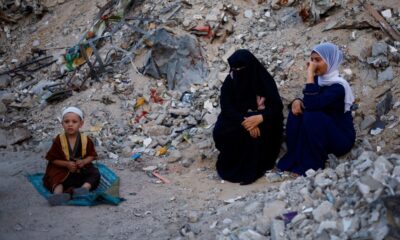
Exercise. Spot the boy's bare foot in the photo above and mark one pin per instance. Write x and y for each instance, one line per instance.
(59, 199)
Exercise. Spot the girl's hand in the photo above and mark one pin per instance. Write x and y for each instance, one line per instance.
(252, 122)
(255, 133)
(72, 167)
(297, 107)
(311, 68)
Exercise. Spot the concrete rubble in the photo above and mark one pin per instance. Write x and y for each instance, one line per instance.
(157, 96)
(352, 207)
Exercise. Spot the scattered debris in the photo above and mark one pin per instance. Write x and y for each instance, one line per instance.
(164, 125)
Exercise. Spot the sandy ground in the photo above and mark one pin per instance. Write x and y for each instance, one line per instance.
(151, 210)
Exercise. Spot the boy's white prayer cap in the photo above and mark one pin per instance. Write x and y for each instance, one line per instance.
(73, 110)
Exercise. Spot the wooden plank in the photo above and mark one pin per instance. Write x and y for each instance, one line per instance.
(382, 22)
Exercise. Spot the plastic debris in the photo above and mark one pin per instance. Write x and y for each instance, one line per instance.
(135, 156)
(202, 31)
(155, 97)
(139, 102)
(162, 151)
(288, 217)
(140, 116)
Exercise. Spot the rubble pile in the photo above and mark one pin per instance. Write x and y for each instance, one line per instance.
(346, 202)
(147, 75)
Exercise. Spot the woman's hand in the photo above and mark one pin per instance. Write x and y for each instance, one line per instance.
(252, 122)
(297, 107)
(255, 132)
(260, 103)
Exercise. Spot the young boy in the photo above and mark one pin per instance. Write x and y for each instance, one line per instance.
(70, 169)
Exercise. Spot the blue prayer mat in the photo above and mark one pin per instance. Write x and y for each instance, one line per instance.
(106, 193)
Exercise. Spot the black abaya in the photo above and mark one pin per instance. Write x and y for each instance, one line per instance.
(243, 158)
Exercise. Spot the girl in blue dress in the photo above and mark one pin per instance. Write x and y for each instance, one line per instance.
(321, 123)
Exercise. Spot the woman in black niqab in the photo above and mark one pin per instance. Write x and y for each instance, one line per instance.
(248, 131)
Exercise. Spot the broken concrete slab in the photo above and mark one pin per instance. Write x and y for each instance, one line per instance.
(367, 122)
(289, 16)
(379, 48)
(251, 235)
(277, 230)
(157, 130)
(386, 75)
(379, 61)
(13, 136)
(324, 210)
(273, 209)
(5, 81)
(345, 23)
(392, 204)
(361, 47)
(320, 7)
(385, 104)
(179, 59)
(174, 156)
(3, 108)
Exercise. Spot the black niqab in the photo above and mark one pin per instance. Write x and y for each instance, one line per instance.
(250, 81)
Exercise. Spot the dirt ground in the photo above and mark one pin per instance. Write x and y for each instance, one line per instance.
(151, 209)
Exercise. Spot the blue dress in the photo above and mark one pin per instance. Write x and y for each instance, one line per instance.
(322, 129)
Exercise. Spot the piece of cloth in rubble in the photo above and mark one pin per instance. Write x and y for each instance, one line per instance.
(333, 58)
(325, 126)
(60, 150)
(106, 193)
(243, 158)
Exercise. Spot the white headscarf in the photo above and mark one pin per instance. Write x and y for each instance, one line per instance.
(73, 110)
(333, 58)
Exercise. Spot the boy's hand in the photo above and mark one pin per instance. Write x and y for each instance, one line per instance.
(72, 167)
(80, 163)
